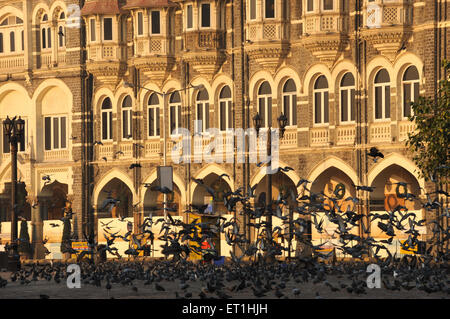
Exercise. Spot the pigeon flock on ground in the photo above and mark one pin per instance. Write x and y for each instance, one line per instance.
(254, 266)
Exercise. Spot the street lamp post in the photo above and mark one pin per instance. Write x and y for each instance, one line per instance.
(282, 122)
(14, 130)
(164, 95)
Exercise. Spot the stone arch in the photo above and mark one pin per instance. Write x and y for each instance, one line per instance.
(257, 178)
(207, 170)
(336, 162)
(176, 180)
(341, 68)
(254, 83)
(39, 9)
(10, 10)
(313, 73)
(145, 94)
(285, 73)
(395, 159)
(405, 60)
(100, 95)
(375, 65)
(56, 9)
(193, 93)
(109, 176)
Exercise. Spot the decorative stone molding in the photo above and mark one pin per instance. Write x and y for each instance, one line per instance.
(268, 56)
(327, 48)
(206, 63)
(108, 72)
(388, 41)
(155, 67)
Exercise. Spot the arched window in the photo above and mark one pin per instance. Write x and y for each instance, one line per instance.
(225, 115)
(127, 118)
(382, 95)
(175, 111)
(265, 104)
(44, 37)
(410, 89)
(202, 111)
(12, 41)
(61, 33)
(107, 130)
(1, 43)
(290, 102)
(153, 115)
(321, 109)
(347, 93)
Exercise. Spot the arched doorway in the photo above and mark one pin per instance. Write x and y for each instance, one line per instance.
(282, 186)
(154, 201)
(53, 198)
(117, 190)
(202, 197)
(390, 185)
(335, 184)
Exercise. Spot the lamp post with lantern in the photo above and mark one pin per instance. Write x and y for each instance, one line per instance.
(282, 123)
(14, 131)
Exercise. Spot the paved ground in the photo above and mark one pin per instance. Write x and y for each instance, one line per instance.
(308, 290)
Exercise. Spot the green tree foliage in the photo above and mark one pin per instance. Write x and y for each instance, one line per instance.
(24, 246)
(431, 140)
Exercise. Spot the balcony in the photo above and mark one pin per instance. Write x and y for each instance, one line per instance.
(325, 35)
(380, 132)
(289, 139)
(12, 62)
(105, 151)
(107, 61)
(319, 137)
(153, 147)
(345, 135)
(387, 25)
(267, 42)
(56, 155)
(127, 149)
(204, 50)
(405, 128)
(154, 56)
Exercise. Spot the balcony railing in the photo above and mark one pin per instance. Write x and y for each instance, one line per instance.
(56, 155)
(46, 59)
(319, 137)
(105, 52)
(405, 128)
(106, 151)
(153, 45)
(345, 135)
(380, 132)
(127, 149)
(289, 139)
(205, 40)
(257, 31)
(325, 23)
(15, 61)
(153, 147)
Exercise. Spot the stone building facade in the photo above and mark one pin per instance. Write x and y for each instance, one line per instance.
(343, 72)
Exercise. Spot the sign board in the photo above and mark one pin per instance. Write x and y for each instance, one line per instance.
(80, 245)
(165, 177)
